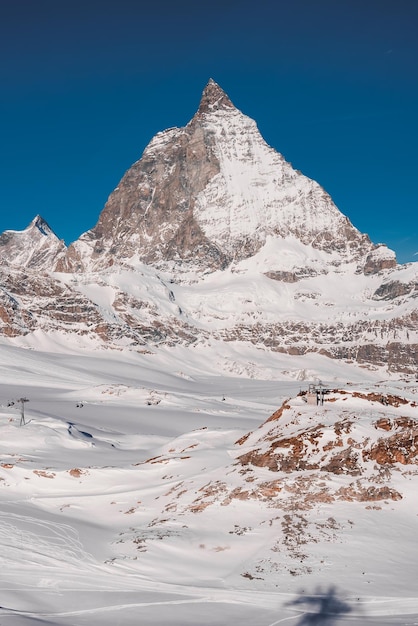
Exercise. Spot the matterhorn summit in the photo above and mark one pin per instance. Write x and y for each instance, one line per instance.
(214, 98)
(211, 194)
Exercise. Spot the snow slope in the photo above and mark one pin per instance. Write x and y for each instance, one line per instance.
(110, 513)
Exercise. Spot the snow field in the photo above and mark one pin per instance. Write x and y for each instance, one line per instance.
(101, 519)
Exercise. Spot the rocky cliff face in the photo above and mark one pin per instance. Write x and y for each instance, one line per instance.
(213, 235)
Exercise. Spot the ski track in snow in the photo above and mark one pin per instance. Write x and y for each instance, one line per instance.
(31, 543)
(43, 544)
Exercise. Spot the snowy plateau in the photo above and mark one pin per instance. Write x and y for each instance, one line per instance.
(208, 402)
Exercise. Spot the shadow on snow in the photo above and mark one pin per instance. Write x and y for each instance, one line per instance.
(320, 609)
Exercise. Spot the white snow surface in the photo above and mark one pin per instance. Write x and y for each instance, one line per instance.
(244, 295)
(95, 518)
(257, 191)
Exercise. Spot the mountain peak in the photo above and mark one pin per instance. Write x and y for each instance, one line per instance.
(36, 247)
(43, 227)
(214, 98)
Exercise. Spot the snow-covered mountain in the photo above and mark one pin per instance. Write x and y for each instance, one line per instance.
(214, 193)
(213, 236)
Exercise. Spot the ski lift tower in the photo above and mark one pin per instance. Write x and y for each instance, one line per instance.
(316, 393)
(22, 410)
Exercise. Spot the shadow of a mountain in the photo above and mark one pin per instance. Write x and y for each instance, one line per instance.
(320, 608)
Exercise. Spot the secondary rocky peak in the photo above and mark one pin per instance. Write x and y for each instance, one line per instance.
(36, 247)
(214, 98)
(42, 226)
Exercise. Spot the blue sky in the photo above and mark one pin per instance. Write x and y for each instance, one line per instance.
(332, 84)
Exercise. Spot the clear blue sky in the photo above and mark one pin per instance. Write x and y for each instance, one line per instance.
(332, 84)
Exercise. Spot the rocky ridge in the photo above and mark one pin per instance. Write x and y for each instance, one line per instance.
(300, 466)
